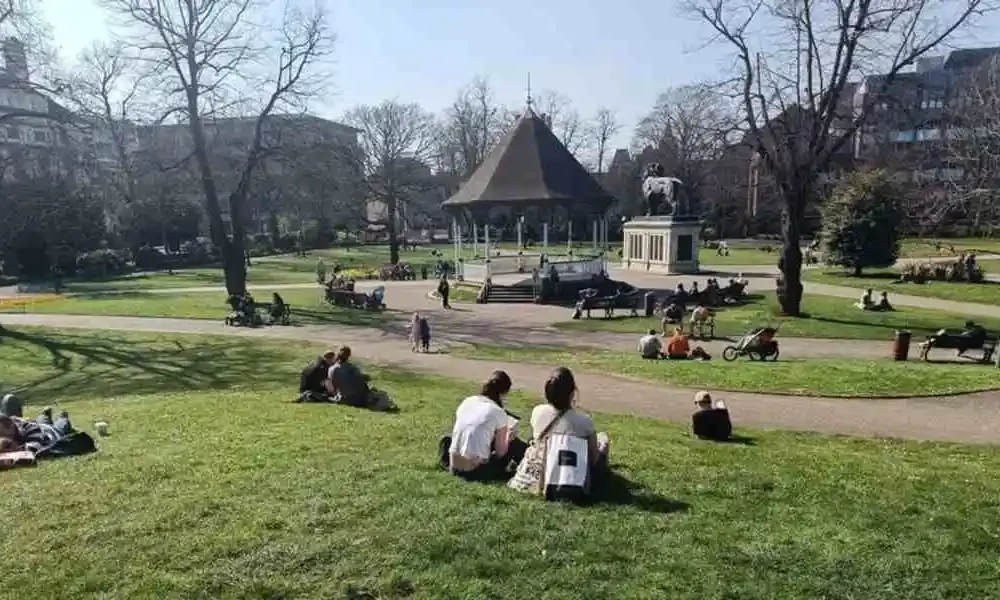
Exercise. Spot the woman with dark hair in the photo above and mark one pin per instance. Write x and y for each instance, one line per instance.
(559, 416)
(483, 445)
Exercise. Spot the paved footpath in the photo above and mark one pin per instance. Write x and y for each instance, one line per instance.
(973, 418)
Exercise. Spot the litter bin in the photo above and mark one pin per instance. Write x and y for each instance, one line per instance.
(423, 272)
(648, 303)
(901, 345)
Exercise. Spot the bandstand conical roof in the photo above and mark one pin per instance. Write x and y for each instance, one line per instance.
(531, 167)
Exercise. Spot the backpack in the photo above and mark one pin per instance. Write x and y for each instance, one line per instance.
(566, 468)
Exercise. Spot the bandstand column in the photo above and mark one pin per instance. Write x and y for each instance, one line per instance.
(520, 227)
(475, 239)
(545, 235)
(594, 223)
(569, 236)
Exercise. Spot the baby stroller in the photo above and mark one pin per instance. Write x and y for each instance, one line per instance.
(758, 344)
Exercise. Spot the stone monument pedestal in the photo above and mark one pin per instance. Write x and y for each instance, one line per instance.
(662, 244)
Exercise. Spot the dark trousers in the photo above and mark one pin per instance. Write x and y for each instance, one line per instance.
(498, 468)
(444, 299)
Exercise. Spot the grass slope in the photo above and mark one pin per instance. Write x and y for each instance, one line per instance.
(847, 378)
(213, 486)
(828, 317)
(987, 292)
(308, 307)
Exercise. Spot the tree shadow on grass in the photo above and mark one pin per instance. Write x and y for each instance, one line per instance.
(107, 365)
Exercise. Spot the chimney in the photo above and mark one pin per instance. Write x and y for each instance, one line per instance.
(15, 58)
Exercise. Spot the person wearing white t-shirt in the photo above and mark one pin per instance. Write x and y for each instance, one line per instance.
(650, 345)
(483, 445)
(560, 416)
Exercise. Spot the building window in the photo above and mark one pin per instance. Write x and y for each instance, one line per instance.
(13, 133)
(40, 135)
(903, 136)
(926, 135)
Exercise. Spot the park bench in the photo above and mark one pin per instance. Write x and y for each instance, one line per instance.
(589, 300)
(348, 298)
(961, 342)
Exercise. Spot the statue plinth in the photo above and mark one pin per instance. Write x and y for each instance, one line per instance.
(665, 244)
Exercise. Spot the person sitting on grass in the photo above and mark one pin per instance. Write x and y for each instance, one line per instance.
(711, 421)
(559, 416)
(348, 385)
(312, 380)
(883, 303)
(866, 302)
(483, 444)
(678, 348)
(650, 346)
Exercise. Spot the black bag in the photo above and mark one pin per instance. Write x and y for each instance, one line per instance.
(74, 444)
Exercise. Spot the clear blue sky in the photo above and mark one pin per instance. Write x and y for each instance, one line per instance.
(615, 53)
(620, 54)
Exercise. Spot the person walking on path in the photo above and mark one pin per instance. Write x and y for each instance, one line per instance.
(443, 290)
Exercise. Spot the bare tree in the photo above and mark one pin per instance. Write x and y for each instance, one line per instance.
(604, 127)
(397, 142)
(471, 127)
(211, 57)
(564, 120)
(687, 131)
(796, 60)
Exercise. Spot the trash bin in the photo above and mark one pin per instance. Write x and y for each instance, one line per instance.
(423, 272)
(648, 303)
(901, 345)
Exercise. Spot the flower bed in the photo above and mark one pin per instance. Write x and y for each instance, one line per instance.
(26, 301)
(942, 271)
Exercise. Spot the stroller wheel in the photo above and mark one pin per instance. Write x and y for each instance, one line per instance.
(773, 357)
(730, 353)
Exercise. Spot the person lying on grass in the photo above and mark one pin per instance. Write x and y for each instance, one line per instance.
(559, 416)
(483, 445)
(348, 385)
(22, 434)
(312, 380)
(678, 348)
(650, 346)
(711, 421)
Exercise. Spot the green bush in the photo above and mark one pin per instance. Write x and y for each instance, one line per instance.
(101, 263)
(148, 258)
(940, 271)
(863, 222)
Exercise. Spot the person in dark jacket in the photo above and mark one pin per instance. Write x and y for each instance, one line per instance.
(311, 382)
(711, 421)
(443, 290)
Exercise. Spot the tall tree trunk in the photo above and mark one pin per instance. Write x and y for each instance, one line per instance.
(236, 262)
(390, 211)
(272, 226)
(791, 253)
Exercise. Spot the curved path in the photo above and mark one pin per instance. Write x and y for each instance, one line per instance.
(971, 418)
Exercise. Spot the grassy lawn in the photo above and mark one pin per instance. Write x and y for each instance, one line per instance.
(927, 247)
(879, 280)
(213, 486)
(739, 256)
(848, 378)
(308, 307)
(829, 317)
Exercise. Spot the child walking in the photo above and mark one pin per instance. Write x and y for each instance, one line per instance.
(420, 334)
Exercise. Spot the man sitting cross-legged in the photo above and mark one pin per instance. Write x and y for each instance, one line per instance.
(312, 381)
(650, 346)
(348, 385)
(678, 348)
(711, 422)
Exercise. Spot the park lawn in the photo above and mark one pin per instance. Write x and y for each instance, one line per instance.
(841, 378)
(308, 307)
(709, 258)
(927, 247)
(212, 485)
(987, 292)
(828, 317)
